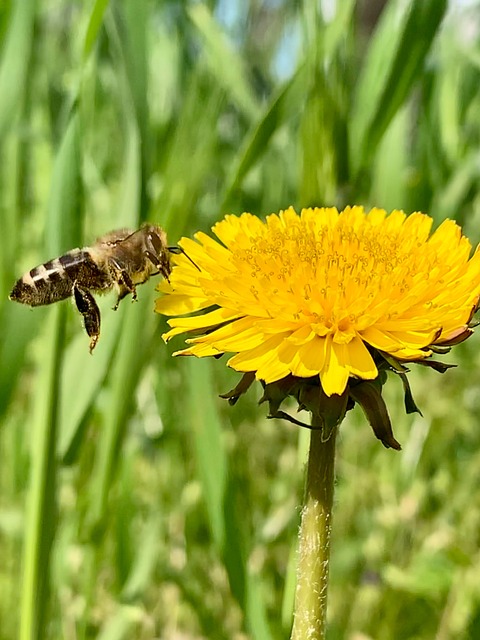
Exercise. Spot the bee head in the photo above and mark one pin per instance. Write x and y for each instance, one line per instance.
(159, 252)
(156, 249)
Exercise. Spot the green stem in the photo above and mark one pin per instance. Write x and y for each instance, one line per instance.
(310, 613)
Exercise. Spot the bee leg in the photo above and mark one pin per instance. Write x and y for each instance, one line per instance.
(91, 313)
(123, 280)
(123, 292)
(161, 263)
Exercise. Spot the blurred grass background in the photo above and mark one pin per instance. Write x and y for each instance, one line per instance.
(134, 503)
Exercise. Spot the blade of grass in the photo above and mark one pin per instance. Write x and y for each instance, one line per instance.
(449, 201)
(237, 548)
(63, 222)
(64, 219)
(15, 64)
(393, 63)
(146, 559)
(88, 371)
(318, 181)
(323, 123)
(17, 143)
(256, 613)
(450, 108)
(41, 506)
(226, 64)
(223, 510)
(194, 144)
(122, 624)
(283, 106)
(126, 28)
(391, 165)
(18, 328)
(94, 24)
(130, 358)
(132, 351)
(203, 419)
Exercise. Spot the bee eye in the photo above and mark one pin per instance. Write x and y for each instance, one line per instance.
(156, 242)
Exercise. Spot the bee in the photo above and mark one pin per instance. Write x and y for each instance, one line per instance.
(119, 260)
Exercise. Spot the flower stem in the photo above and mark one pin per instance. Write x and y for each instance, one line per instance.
(310, 613)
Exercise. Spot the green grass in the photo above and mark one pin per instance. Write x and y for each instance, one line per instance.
(134, 503)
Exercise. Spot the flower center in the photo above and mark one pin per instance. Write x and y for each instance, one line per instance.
(341, 273)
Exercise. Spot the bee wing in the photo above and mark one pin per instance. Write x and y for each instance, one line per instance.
(114, 238)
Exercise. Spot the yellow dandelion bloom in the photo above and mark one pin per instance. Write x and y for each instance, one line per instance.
(321, 293)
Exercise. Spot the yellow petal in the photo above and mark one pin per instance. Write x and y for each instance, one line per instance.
(334, 376)
(259, 358)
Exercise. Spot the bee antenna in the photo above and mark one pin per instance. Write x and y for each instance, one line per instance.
(176, 250)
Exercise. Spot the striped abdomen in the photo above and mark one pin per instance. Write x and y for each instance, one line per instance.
(53, 280)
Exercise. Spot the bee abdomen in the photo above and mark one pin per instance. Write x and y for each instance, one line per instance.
(53, 280)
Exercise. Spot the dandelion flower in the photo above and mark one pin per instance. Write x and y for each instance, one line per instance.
(332, 298)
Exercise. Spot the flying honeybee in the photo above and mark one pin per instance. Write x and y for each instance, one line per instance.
(120, 259)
